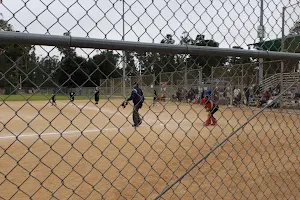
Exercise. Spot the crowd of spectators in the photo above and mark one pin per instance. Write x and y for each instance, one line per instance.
(237, 96)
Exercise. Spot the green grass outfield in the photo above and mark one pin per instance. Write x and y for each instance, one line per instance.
(47, 97)
(36, 97)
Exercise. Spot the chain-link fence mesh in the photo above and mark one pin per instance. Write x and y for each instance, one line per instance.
(67, 66)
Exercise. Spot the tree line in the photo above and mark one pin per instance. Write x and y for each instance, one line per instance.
(19, 63)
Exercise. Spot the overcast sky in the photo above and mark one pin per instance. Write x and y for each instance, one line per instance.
(229, 22)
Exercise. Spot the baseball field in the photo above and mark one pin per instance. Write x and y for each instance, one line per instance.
(88, 151)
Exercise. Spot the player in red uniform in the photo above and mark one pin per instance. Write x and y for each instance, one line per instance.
(210, 107)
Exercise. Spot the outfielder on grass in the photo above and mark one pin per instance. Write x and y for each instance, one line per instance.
(137, 97)
(211, 107)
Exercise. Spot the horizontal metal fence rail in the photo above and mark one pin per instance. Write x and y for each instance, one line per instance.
(82, 42)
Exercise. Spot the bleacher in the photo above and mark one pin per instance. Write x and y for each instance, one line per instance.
(288, 80)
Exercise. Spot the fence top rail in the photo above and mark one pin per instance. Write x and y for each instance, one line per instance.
(10, 37)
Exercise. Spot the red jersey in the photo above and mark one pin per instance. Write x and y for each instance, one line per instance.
(207, 102)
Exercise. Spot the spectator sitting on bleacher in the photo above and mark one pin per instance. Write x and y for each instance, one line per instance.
(178, 95)
(265, 98)
(297, 93)
(237, 97)
(274, 92)
(290, 94)
(190, 95)
(247, 94)
(270, 90)
(251, 98)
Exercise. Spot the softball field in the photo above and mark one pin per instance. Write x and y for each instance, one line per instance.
(84, 151)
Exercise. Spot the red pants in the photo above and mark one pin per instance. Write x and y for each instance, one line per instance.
(211, 119)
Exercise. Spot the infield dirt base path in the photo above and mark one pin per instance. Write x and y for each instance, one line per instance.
(85, 151)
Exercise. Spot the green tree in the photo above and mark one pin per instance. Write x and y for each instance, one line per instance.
(166, 62)
(46, 74)
(242, 67)
(168, 39)
(238, 60)
(186, 39)
(16, 61)
(146, 61)
(131, 68)
(103, 66)
(206, 62)
(156, 63)
(295, 30)
(70, 72)
(5, 26)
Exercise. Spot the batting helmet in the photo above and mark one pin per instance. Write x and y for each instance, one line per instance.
(208, 92)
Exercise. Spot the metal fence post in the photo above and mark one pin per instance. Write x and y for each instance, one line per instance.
(172, 83)
(200, 78)
(282, 62)
(111, 86)
(160, 80)
(185, 75)
(261, 33)
(124, 52)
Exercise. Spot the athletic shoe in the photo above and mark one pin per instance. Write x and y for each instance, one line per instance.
(140, 123)
(205, 124)
(137, 125)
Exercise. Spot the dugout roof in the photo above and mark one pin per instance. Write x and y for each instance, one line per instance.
(291, 44)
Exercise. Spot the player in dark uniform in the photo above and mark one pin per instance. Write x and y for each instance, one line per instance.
(137, 97)
(211, 107)
(53, 98)
(155, 98)
(97, 95)
(72, 96)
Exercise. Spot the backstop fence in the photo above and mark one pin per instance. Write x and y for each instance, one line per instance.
(243, 144)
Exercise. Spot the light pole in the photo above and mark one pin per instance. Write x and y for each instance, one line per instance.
(186, 41)
(261, 35)
(200, 78)
(124, 54)
(283, 48)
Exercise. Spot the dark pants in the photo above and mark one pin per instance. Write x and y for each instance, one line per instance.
(214, 110)
(136, 115)
(154, 100)
(247, 99)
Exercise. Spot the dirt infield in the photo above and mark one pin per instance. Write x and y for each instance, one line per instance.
(87, 152)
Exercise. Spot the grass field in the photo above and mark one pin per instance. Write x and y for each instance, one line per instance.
(46, 97)
(37, 97)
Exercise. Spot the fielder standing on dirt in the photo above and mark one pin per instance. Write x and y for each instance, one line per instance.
(137, 97)
(155, 98)
(53, 98)
(97, 95)
(72, 96)
(211, 107)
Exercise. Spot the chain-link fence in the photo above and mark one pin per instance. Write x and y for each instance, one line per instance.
(67, 66)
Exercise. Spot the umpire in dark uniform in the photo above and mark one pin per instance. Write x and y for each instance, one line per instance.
(137, 97)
